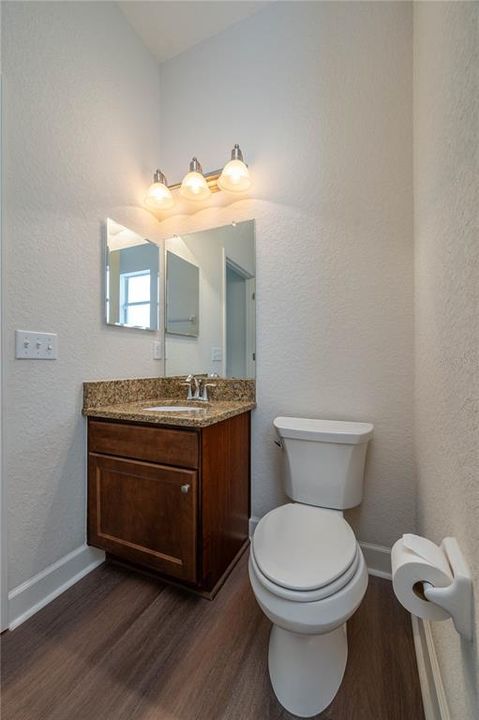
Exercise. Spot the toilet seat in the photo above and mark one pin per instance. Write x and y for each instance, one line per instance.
(311, 595)
(304, 553)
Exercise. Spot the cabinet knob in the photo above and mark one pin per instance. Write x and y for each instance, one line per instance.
(185, 489)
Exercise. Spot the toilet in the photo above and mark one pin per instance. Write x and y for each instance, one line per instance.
(306, 568)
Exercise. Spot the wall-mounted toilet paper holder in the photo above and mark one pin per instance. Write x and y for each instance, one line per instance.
(457, 598)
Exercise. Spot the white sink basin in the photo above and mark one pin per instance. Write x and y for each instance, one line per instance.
(174, 408)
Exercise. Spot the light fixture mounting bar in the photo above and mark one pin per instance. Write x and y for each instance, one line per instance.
(211, 179)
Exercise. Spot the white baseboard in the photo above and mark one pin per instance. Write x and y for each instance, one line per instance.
(432, 688)
(253, 521)
(377, 557)
(29, 597)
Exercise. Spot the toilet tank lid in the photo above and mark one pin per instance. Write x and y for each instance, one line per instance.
(316, 430)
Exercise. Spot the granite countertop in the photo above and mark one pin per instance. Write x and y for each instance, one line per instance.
(201, 415)
(129, 399)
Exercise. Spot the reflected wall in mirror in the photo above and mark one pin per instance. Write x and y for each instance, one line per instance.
(132, 279)
(182, 296)
(217, 300)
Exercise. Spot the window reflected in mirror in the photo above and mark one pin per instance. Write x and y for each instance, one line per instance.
(132, 279)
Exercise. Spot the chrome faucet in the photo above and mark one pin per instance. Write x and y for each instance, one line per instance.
(197, 388)
(203, 396)
(192, 381)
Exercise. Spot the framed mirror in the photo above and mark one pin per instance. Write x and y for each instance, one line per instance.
(132, 285)
(211, 302)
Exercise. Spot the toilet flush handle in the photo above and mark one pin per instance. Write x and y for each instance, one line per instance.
(278, 443)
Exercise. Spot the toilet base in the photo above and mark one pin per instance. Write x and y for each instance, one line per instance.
(306, 670)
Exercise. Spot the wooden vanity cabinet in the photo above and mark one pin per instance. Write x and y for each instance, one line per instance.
(169, 499)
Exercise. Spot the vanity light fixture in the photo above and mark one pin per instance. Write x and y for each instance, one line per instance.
(197, 186)
(235, 175)
(194, 185)
(158, 195)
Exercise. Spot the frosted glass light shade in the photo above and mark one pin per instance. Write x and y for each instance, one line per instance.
(195, 187)
(159, 197)
(235, 177)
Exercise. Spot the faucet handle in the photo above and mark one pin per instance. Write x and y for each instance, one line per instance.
(188, 382)
(204, 393)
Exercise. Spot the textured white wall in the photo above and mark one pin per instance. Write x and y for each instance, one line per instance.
(319, 95)
(446, 125)
(81, 102)
(326, 124)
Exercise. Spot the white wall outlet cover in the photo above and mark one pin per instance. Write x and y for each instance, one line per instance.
(30, 345)
(157, 350)
(216, 354)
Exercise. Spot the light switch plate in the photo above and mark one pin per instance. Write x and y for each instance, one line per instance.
(157, 350)
(216, 354)
(31, 345)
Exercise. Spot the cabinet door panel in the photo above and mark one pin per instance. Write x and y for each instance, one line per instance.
(144, 513)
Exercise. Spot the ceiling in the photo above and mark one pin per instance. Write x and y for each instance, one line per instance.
(169, 28)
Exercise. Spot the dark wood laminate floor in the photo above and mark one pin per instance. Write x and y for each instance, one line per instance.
(120, 646)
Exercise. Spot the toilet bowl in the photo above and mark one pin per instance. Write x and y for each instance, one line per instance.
(308, 603)
(306, 568)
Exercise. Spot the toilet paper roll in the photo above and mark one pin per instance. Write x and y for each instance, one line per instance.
(416, 560)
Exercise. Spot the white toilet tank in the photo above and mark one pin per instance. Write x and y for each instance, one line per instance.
(325, 460)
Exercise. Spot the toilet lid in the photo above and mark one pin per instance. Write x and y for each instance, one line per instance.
(302, 547)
